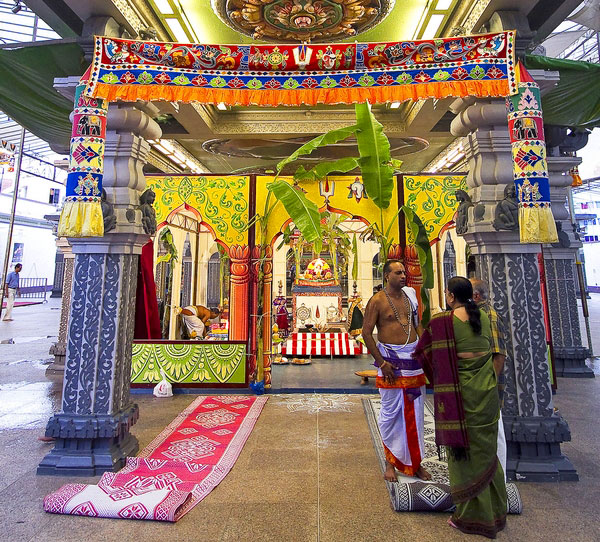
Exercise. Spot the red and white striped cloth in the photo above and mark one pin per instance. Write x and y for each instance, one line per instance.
(322, 344)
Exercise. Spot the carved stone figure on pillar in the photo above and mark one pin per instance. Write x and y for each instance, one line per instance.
(148, 212)
(506, 214)
(108, 212)
(462, 214)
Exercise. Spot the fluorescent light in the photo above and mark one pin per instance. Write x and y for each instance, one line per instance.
(432, 26)
(180, 33)
(221, 106)
(443, 4)
(395, 105)
(164, 7)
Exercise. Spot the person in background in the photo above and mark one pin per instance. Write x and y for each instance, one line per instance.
(196, 317)
(11, 290)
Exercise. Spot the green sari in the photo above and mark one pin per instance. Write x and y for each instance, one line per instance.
(477, 482)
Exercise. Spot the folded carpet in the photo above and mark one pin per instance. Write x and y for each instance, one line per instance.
(175, 471)
(411, 494)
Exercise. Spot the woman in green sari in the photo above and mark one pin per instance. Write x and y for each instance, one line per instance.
(455, 351)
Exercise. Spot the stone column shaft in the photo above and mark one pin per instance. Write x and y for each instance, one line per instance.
(92, 429)
(533, 431)
(561, 277)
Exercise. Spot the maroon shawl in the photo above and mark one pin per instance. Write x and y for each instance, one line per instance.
(436, 351)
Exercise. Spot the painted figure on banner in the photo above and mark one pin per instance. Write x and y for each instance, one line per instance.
(357, 189)
(400, 379)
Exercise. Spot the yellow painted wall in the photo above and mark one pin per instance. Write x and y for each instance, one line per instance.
(222, 201)
(342, 199)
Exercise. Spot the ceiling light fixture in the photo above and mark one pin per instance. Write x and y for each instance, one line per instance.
(164, 7)
(443, 5)
(395, 105)
(432, 26)
(177, 29)
(17, 7)
(221, 106)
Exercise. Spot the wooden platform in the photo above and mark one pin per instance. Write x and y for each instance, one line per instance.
(365, 375)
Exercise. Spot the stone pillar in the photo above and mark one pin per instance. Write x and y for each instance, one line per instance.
(92, 429)
(59, 348)
(59, 274)
(254, 370)
(561, 275)
(533, 430)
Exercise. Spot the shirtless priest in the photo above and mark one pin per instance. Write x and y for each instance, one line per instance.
(400, 379)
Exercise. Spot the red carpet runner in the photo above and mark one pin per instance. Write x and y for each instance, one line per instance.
(175, 471)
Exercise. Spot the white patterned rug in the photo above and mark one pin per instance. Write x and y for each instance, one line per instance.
(410, 494)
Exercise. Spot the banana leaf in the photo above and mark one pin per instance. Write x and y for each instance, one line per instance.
(302, 211)
(320, 141)
(166, 238)
(320, 171)
(375, 157)
(425, 258)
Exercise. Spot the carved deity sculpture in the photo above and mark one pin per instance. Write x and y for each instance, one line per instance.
(148, 212)
(462, 214)
(108, 212)
(506, 214)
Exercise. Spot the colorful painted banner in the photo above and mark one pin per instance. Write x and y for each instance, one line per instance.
(526, 129)
(189, 362)
(178, 469)
(481, 65)
(82, 212)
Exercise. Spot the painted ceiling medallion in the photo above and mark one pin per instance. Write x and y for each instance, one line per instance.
(302, 20)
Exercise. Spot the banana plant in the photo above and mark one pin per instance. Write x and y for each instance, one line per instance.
(377, 170)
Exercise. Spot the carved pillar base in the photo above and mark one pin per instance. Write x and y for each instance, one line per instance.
(533, 449)
(92, 429)
(533, 431)
(90, 445)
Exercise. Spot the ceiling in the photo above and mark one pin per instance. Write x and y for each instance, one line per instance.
(402, 22)
(221, 139)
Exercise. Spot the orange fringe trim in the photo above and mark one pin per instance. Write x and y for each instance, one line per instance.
(401, 382)
(420, 91)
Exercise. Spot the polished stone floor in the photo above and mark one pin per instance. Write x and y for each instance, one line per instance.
(307, 473)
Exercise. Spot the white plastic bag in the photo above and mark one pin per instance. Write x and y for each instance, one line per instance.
(163, 388)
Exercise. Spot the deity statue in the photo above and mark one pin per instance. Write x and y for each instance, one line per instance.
(148, 213)
(462, 214)
(506, 214)
(108, 213)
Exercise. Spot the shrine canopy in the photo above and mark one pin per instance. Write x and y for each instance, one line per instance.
(287, 74)
(273, 75)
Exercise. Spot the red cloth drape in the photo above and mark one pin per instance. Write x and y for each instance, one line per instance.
(147, 322)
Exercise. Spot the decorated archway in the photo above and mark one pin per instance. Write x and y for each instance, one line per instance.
(272, 75)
